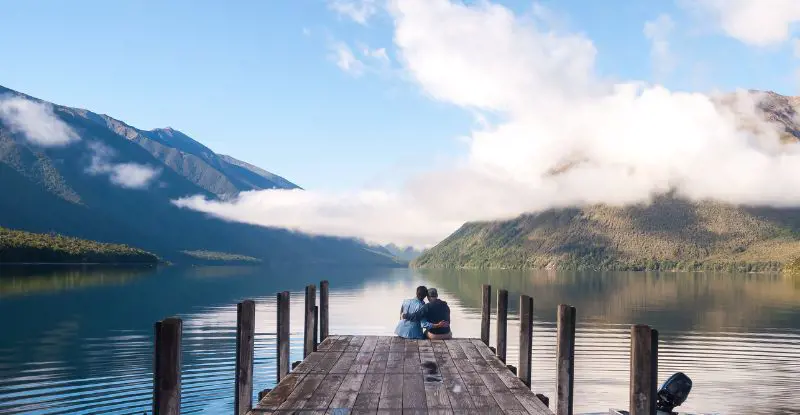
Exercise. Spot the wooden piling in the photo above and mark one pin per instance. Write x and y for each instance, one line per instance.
(486, 312)
(525, 338)
(283, 334)
(245, 335)
(565, 359)
(316, 327)
(324, 323)
(642, 384)
(308, 327)
(654, 369)
(502, 324)
(167, 367)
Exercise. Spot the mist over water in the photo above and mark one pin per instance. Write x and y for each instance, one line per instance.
(89, 349)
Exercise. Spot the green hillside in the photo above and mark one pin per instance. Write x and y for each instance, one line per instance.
(27, 247)
(668, 234)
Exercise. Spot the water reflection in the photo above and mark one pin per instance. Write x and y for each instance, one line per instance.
(89, 350)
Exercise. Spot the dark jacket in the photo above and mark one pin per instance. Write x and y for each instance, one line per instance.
(434, 312)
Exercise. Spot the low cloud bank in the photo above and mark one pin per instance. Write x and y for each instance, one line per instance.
(127, 175)
(36, 122)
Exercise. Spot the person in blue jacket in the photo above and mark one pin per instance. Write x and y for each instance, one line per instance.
(407, 328)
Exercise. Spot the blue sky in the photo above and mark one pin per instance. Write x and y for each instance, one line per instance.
(259, 79)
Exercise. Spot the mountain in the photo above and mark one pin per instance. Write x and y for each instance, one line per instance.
(670, 233)
(116, 183)
(406, 254)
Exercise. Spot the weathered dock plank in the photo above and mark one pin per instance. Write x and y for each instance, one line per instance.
(390, 375)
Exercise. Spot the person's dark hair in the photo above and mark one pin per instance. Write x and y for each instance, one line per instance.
(422, 292)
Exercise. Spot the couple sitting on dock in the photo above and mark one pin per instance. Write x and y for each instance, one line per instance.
(416, 315)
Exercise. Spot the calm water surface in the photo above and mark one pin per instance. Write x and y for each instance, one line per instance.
(79, 342)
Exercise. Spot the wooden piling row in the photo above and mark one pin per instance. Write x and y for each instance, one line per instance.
(168, 333)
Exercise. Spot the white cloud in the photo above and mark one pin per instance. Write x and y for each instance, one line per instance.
(36, 122)
(344, 58)
(127, 175)
(755, 22)
(555, 135)
(658, 31)
(378, 54)
(359, 11)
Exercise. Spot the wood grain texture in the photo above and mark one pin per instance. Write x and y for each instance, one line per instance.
(486, 312)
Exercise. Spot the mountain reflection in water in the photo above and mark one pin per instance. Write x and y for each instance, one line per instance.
(80, 341)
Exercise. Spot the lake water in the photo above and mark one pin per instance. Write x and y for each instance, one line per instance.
(80, 341)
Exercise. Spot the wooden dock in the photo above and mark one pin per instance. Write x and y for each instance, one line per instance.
(392, 375)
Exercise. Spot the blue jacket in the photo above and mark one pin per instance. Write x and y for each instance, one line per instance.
(410, 329)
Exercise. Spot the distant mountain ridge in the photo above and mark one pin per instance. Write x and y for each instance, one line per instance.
(669, 234)
(117, 183)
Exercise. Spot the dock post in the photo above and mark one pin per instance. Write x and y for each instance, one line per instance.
(283, 334)
(642, 383)
(502, 324)
(316, 327)
(324, 322)
(486, 313)
(167, 367)
(565, 359)
(245, 336)
(525, 338)
(308, 337)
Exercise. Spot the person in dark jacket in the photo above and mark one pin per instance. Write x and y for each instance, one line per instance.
(437, 311)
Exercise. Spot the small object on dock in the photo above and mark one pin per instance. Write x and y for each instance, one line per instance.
(512, 368)
(167, 367)
(565, 359)
(502, 324)
(295, 364)
(545, 400)
(525, 338)
(486, 313)
(262, 394)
